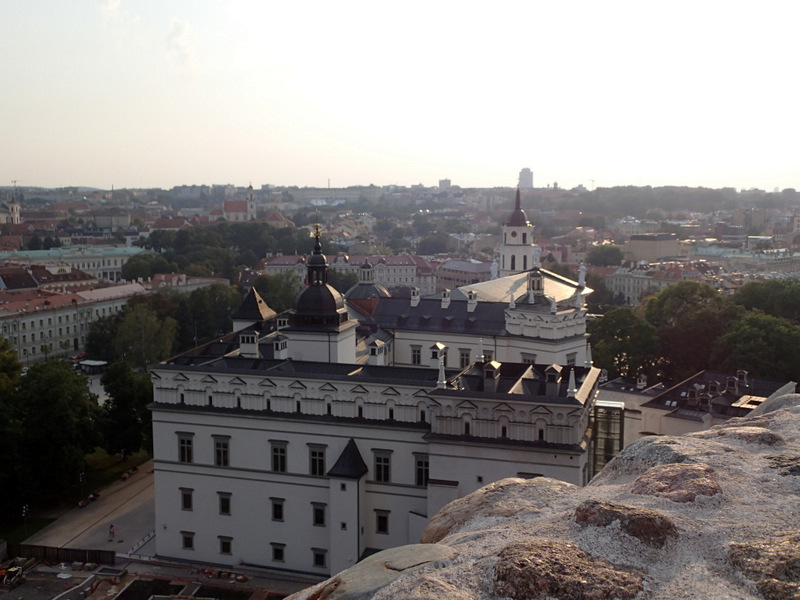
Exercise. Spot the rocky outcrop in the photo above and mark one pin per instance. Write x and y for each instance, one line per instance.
(714, 514)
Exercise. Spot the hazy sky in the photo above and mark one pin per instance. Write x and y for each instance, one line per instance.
(157, 93)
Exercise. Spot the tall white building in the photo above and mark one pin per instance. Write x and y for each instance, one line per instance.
(307, 440)
(526, 179)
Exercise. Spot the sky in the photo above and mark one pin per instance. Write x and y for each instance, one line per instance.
(159, 93)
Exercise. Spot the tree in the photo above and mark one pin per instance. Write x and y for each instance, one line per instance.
(776, 297)
(689, 316)
(278, 291)
(212, 307)
(142, 338)
(35, 243)
(59, 418)
(138, 266)
(670, 305)
(342, 280)
(101, 339)
(10, 368)
(764, 345)
(434, 244)
(604, 256)
(127, 424)
(624, 344)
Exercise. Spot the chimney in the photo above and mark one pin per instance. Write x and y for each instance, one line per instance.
(445, 298)
(248, 344)
(414, 296)
(472, 300)
(491, 374)
(641, 381)
(438, 354)
(552, 380)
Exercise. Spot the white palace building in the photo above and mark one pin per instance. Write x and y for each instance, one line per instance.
(306, 440)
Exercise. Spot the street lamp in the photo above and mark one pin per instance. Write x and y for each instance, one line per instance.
(26, 511)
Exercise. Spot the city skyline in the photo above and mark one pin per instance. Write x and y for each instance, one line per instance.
(159, 94)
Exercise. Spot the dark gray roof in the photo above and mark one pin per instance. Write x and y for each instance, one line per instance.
(253, 308)
(350, 464)
(488, 318)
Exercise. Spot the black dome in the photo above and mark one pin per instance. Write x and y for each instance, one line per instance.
(318, 304)
(518, 218)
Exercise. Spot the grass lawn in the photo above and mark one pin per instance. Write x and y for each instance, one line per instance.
(19, 532)
(104, 469)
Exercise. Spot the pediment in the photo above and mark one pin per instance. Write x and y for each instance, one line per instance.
(297, 385)
(466, 404)
(208, 379)
(420, 394)
(267, 383)
(503, 408)
(237, 381)
(359, 389)
(327, 387)
(390, 391)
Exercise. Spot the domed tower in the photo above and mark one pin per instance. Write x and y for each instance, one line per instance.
(319, 328)
(518, 252)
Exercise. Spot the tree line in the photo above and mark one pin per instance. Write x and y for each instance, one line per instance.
(51, 421)
(689, 327)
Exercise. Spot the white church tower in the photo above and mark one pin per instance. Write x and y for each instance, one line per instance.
(518, 252)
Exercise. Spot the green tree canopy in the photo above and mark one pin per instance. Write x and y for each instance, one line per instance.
(776, 297)
(624, 344)
(142, 338)
(278, 291)
(127, 421)
(59, 418)
(764, 345)
(604, 256)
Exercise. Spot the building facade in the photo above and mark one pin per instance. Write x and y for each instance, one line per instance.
(301, 442)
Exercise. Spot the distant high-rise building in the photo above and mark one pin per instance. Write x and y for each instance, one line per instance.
(526, 178)
(444, 184)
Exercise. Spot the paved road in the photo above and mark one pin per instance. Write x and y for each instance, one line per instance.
(128, 505)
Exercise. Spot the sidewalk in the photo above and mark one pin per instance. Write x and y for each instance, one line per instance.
(128, 505)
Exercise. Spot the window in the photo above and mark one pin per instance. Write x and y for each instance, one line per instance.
(225, 544)
(421, 469)
(186, 498)
(528, 359)
(224, 503)
(383, 472)
(277, 509)
(463, 357)
(571, 357)
(222, 450)
(185, 454)
(187, 538)
(318, 514)
(278, 456)
(416, 355)
(382, 521)
(319, 557)
(278, 552)
(316, 459)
